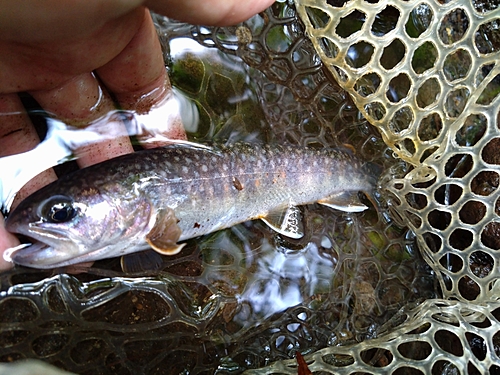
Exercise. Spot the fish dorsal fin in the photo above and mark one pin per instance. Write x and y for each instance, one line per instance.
(345, 201)
(287, 222)
(165, 233)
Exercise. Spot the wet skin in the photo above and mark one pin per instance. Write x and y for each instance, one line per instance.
(56, 49)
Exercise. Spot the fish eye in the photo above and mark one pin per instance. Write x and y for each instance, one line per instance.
(58, 209)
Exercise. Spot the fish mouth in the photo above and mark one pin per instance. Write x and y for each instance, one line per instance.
(46, 247)
(28, 254)
(43, 256)
(46, 230)
(37, 230)
(42, 247)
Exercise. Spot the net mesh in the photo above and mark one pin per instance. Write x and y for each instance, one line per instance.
(355, 295)
(425, 74)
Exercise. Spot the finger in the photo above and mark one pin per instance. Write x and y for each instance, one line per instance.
(137, 78)
(29, 61)
(209, 12)
(17, 135)
(7, 240)
(37, 21)
(77, 102)
(80, 102)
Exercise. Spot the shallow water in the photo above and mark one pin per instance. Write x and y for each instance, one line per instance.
(243, 297)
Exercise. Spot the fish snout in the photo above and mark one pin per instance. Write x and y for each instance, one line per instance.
(14, 223)
(19, 220)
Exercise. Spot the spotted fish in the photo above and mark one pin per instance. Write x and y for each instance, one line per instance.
(160, 197)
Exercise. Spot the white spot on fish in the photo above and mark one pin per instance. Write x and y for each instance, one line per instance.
(204, 168)
(225, 167)
(185, 169)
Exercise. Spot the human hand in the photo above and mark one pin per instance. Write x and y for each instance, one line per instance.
(72, 56)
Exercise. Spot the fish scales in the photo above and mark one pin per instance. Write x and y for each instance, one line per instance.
(116, 204)
(204, 196)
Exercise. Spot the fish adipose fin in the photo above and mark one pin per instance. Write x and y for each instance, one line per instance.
(348, 202)
(164, 235)
(287, 222)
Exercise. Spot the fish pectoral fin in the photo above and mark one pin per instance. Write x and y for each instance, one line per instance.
(287, 222)
(346, 201)
(165, 233)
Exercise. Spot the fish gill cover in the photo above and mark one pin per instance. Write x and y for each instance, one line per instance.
(354, 295)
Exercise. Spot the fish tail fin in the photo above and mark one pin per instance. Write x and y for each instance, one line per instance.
(373, 171)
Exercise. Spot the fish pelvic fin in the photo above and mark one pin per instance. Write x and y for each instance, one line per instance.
(165, 233)
(345, 201)
(287, 222)
(147, 260)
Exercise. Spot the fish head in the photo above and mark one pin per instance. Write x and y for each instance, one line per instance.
(75, 224)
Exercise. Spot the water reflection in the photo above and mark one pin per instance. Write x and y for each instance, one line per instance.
(62, 142)
(283, 280)
(171, 118)
(238, 298)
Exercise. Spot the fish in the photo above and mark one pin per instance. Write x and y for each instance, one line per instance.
(158, 198)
